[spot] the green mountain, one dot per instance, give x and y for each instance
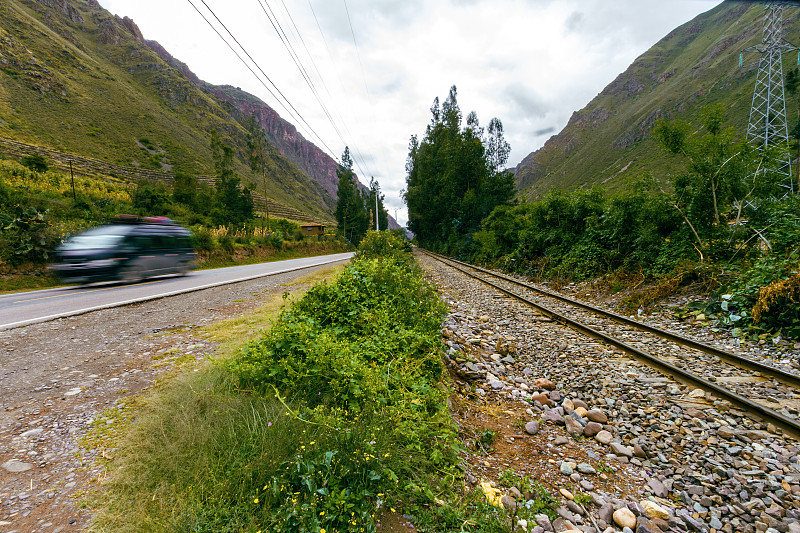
(608, 142)
(76, 79)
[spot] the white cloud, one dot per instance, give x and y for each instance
(530, 63)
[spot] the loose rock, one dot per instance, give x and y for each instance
(604, 437)
(653, 510)
(15, 467)
(624, 518)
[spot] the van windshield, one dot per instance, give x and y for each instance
(93, 239)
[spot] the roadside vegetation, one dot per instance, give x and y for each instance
(332, 419)
(455, 177)
(40, 207)
(355, 209)
(727, 223)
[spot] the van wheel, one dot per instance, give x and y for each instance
(183, 269)
(131, 274)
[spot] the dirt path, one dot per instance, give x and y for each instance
(56, 377)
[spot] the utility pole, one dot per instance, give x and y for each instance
(72, 178)
(377, 224)
(767, 125)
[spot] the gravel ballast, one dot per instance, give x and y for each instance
(689, 461)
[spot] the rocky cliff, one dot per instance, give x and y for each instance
(283, 135)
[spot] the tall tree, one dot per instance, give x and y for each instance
(231, 205)
(350, 210)
(497, 148)
(258, 150)
(185, 189)
(455, 176)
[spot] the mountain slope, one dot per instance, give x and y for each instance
(281, 133)
(608, 142)
(76, 79)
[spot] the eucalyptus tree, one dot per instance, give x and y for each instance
(455, 176)
(257, 156)
(351, 212)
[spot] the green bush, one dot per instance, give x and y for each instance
(331, 484)
(361, 354)
(226, 243)
(152, 199)
(26, 235)
(35, 162)
(275, 239)
(335, 344)
(202, 240)
(384, 244)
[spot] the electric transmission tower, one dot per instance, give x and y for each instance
(767, 125)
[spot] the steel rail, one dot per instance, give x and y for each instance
(788, 378)
(789, 425)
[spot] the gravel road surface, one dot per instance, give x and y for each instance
(57, 376)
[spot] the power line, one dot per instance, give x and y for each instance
(255, 63)
(308, 53)
(358, 54)
(266, 76)
(314, 63)
(276, 25)
(359, 159)
(291, 109)
(360, 63)
(339, 79)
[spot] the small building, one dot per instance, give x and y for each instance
(312, 228)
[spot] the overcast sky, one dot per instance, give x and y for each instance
(530, 63)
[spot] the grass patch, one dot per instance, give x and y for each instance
(28, 281)
(197, 458)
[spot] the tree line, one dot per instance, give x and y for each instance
(455, 177)
(727, 220)
(355, 209)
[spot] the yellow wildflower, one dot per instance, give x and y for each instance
(493, 495)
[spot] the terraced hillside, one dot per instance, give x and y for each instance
(80, 82)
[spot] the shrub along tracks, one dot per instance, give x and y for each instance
(699, 457)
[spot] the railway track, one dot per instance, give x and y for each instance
(764, 391)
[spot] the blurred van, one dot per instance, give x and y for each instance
(129, 249)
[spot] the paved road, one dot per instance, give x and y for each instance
(23, 308)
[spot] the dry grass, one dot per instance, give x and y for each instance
(707, 279)
(772, 293)
(644, 299)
